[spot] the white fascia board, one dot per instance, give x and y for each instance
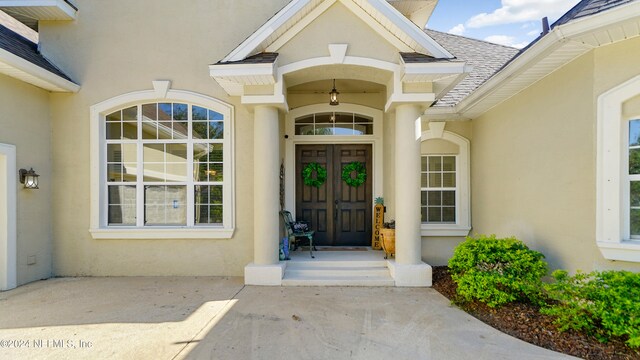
(546, 46)
(62, 6)
(252, 42)
(54, 81)
(436, 68)
(425, 99)
(241, 70)
(410, 29)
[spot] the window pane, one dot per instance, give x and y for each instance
(130, 114)
(114, 131)
(634, 133)
(424, 161)
(149, 112)
(435, 180)
(180, 112)
(634, 161)
(165, 205)
(435, 163)
(434, 214)
(304, 129)
(449, 163)
(635, 222)
(130, 130)
(434, 198)
(363, 129)
(635, 193)
(215, 115)
(164, 111)
(449, 214)
(449, 198)
(122, 205)
(423, 214)
(305, 120)
(116, 116)
(343, 129)
(324, 129)
(449, 180)
(199, 113)
(208, 205)
(216, 130)
(423, 198)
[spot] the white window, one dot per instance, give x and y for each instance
(445, 184)
(164, 169)
(438, 179)
(618, 172)
(334, 123)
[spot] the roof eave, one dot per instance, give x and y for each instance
(570, 35)
(21, 69)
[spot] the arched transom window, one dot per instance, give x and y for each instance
(334, 123)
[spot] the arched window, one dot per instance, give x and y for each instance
(618, 172)
(445, 184)
(164, 168)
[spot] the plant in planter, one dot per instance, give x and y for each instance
(388, 235)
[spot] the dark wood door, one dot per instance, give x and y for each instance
(340, 214)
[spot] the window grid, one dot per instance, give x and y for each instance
(334, 124)
(633, 178)
(438, 189)
(168, 130)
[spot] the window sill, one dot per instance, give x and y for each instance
(444, 230)
(161, 233)
(622, 251)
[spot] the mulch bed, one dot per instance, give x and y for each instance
(524, 322)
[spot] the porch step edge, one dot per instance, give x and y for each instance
(338, 281)
(297, 264)
(338, 271)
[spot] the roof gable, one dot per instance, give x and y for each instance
(378, 14)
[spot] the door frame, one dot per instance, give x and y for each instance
(376, 141)
(8, 218)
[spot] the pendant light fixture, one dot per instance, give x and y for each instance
(333, 95)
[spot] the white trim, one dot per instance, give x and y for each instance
(463, 185)
(407, 29)
(34, 74)
(563, 44)
(98, 227)
(170, 233)
(8, 224)
(376, 141)
(612, 173)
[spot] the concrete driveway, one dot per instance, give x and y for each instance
(220, 318)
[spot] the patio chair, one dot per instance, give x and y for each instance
(294, 234)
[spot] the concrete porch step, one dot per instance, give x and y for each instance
(319, 264)
(337, 271)
(290, 280)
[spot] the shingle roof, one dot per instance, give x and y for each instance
(587, 8)
(19, 46)
(485, 57)
(261, 58)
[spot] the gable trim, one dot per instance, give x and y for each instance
(21, 69)
(271, 28)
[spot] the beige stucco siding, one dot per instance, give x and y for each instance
(534, 160)
(25, 123)
(337, 25)
(115, 48)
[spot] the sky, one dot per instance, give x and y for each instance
(508, 22)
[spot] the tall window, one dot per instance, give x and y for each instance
(634, 178)
(164, 166)
(438, 184)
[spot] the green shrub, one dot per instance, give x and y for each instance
(603, 304)
(497, 271)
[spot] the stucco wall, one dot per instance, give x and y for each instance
(25, 123)
(114, 48)
(534, 160)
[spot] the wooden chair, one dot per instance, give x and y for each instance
(293, 235)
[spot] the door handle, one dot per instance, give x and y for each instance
(335, 210)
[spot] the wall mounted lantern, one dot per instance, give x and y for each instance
(29, 178)
(333, 95)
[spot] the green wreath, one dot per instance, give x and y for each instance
(361, 174)
(312, 169)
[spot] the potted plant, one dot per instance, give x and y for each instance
(388, 237)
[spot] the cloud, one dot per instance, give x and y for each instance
(506, 40)
(457, 30)
(534, 32)
(517, 11)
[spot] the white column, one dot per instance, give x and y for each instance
(408, 268)
(266, 269)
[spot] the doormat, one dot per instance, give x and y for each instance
(343, 248)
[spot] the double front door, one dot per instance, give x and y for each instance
(340, 214)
